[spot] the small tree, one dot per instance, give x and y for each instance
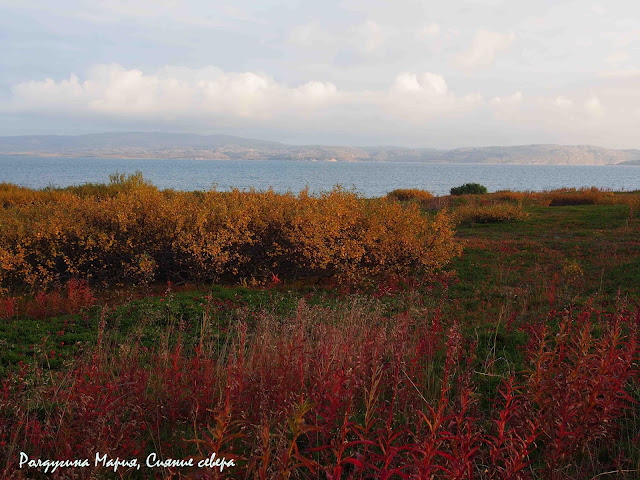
(469, 188)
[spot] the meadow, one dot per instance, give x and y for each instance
(474, 336)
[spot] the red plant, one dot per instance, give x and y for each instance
(340, 394)
(71, 299)
(513, 442)
(578, 384)
(8, 307)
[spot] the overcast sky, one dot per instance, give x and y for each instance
(406, 72)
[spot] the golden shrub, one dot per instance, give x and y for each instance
(509, 196)
(490, 213)
(407, 194)
(582, 196)
(129, 231)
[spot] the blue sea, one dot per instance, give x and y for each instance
(368, 178)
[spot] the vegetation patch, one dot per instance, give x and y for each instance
(582, 196)
(491, 213)
(129, 232)
(517, 359)
(469, 189)
(408, 194)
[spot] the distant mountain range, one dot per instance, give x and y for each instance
(225, 147)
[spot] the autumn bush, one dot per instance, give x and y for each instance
(130, 232)
(11, 194)
(407, 194)
(490, 213)
(581, 196)
(509, 196)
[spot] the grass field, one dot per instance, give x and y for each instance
(517, 359)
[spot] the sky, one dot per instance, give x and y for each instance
(414, 73)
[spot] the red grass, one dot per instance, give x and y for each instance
(337, 394)
(73, 298)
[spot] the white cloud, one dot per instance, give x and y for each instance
(210, 99)
(427, 83)
(593, 105)
(420, 98)
(562, 102)
(617, 57)
(623, 38)
(620, 73)
(483, 50)
(429, 31)
(310, 35)
(187, 93)
(513, 99)
(367, 37)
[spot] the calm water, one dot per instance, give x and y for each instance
(370, 179)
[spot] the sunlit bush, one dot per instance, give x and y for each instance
(407, 194)
(583, 196)
(509, 196)
(130, 232)
(490, 213)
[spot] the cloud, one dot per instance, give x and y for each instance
(310, 35)
(513, 99)
(623, 38)
(422, 97)
(620, 73)
(562, 102)
(183, 93)
(428, 83)
(617, 57)
(113, 90)
(429, 31)
(484, 48)
(210, 99)
(367, 37)
(593, 105)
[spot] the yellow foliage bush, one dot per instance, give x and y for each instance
(509, 196)
(130, 232)
(406, 194)
(582, 196)
(490, 213)
(11, 194)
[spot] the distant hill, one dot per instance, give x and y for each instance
(130, 139)
(543, 154)
(226, 147)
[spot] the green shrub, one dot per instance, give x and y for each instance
(469, 189)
